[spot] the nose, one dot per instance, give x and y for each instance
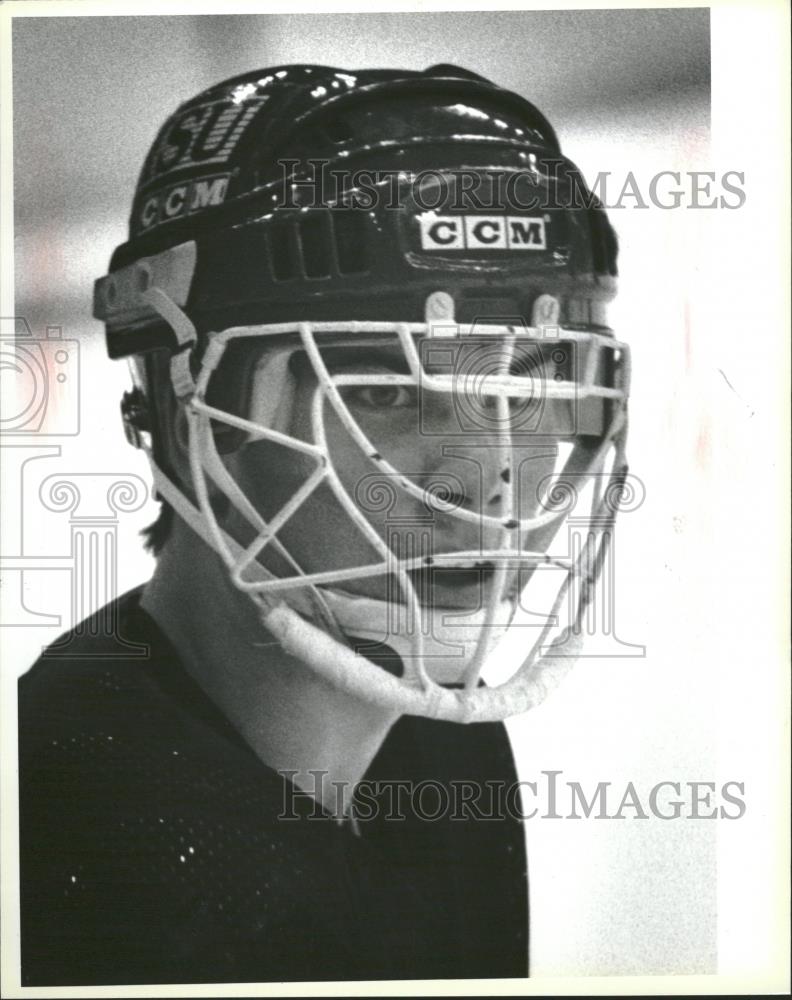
(449, 490)
(471, 477)
(490, 474)
(480, 467)
(464, 456)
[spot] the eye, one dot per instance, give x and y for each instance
(381, 397)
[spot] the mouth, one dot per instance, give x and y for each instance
(454, 587)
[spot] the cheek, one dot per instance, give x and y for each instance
(534, 472)
(396, 444)
(267, 478)
(318, 536)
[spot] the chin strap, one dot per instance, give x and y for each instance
(344, 670)
(450, 636)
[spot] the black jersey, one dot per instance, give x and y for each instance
(157, 848)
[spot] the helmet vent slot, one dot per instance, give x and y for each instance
(316, 245)
(350, 241)
(283, 249)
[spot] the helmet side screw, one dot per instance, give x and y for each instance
(439, 305)
(546, 311)
(143, 277)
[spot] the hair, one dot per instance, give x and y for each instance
(159, 406)
(156, 534)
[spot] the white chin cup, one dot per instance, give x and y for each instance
(450, 635)
(361, 678)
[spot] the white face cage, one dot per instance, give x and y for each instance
(301, 609)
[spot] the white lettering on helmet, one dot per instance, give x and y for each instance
(203, 134)
(482, 232)
(183, 199)
(209, 191)
(174, 203)
(150, 212)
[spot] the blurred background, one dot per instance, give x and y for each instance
(626, 90)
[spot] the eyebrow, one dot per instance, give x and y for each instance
(527, 360)
(334, 358)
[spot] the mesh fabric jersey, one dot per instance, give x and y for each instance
(154, 848)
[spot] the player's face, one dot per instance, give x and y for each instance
(445, 443)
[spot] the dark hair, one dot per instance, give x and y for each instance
(159, 406)
(157, 533)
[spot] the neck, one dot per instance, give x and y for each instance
(322, 738)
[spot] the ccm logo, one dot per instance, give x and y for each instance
(183, 199)
(482, 232)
